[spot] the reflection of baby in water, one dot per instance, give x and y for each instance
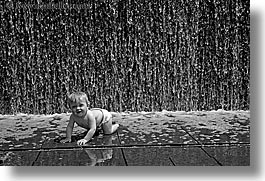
(100, 155)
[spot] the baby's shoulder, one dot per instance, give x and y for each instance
(90, 114)
(96, 112)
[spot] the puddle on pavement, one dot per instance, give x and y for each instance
(81, 157)
(40, 131)
(164, 136)
(17, 158)
(165, 156)
(231, 156)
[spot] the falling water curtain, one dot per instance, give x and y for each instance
(126, 55)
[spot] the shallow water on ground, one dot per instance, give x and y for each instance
(139, 134)
(21, 130)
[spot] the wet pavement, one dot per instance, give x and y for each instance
(206, 138)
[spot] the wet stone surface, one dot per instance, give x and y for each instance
(220, 127)
(18, 158)
(97, 141)
(231, 155)
(174, 136)
(143, 138)
(81, 157)
(151, 129)
(167, 156)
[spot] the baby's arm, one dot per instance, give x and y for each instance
(93, 125)
(69, 130)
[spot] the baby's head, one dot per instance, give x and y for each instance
(76, 97)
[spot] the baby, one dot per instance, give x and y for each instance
(89, 119)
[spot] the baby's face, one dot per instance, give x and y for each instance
(79, 108)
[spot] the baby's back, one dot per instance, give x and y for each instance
(98, 114)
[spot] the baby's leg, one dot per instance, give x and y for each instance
(108, 127)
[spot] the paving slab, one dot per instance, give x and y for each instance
(152, 131)
(81, 157)
(221, 127)
(25, 131)
(18, 158)
(143, 138)
(17, 143)
(167, 156)
(212, 136)
(231, 155)
(97, 141)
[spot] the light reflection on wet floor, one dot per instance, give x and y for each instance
(177, 140)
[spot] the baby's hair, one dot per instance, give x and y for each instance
(76, 96)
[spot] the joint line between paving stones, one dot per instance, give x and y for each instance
(40, 150)
(191, 136)
(172, 161)
(122, 152)
(219, 163)
(37, 157)
(127, 146)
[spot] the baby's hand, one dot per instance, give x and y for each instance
(82, 142)
(66, 140)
